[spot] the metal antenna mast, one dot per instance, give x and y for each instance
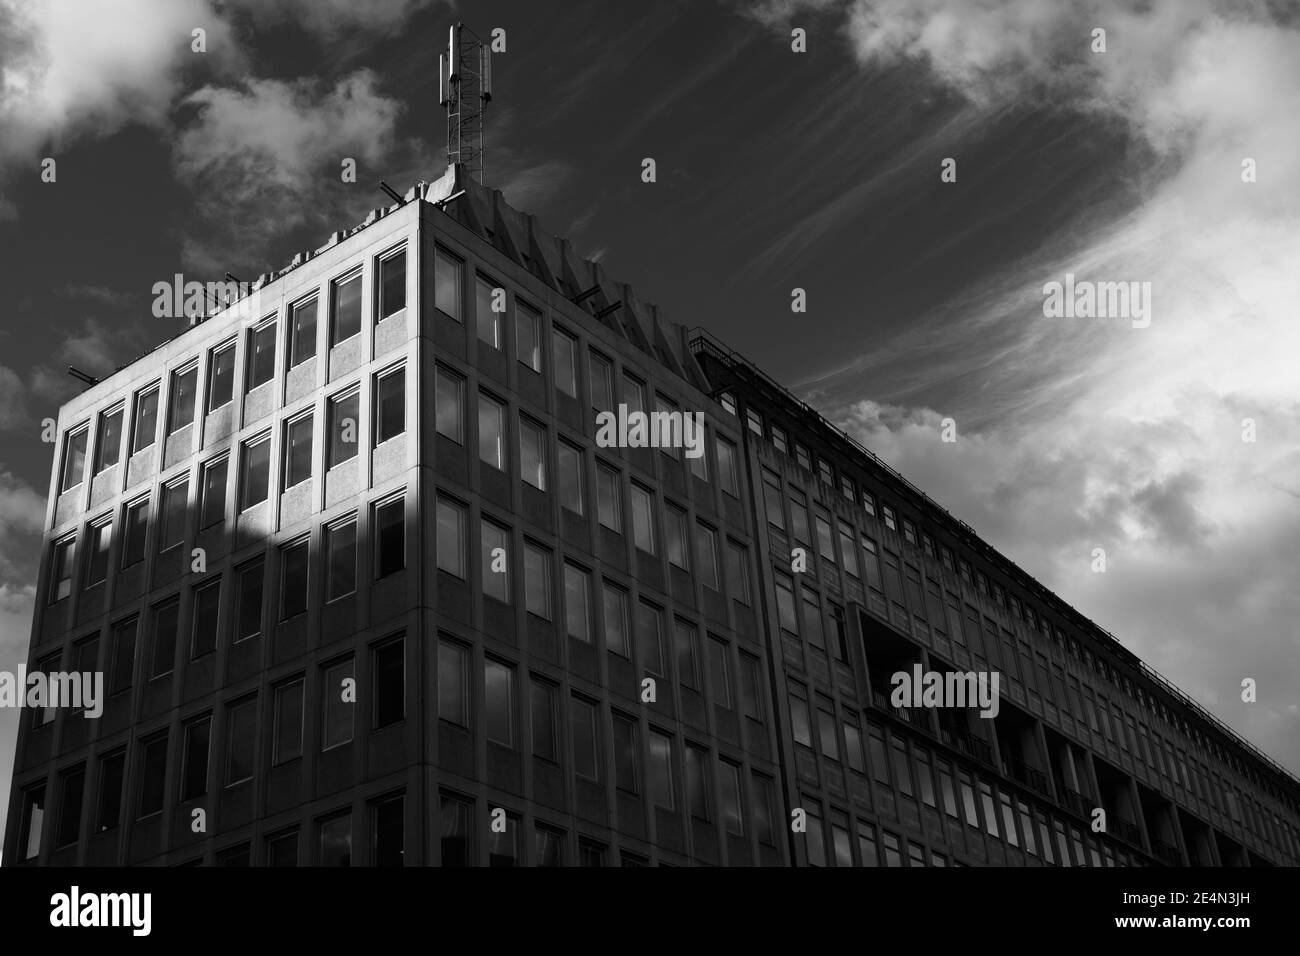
(464, 89)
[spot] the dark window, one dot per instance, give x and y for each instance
(390, 537)
(123, 660)
(577, 603)
(449, 404)
(626, 756)
(153, 777)
(387, 820)
(338, 693)
(261, 355)
(764, 814)
(457, 828)
(617, 636)
(451, 537)
(651, 638)
(175, 500)
(686, 642)
(282, 850)
(602, 383)
(661, 770)
(543, 704)
(492, 432)
(537, 580)
(609, 498)
(212, 507)
(294, 579)
(586, 746)
(729, 798)
(297, 450)
(643, 529)
(145, 429)
(345, 321)
(100, 536)
(486, 295)
(336, 841)
(550, 846)
(248, 600)
(390, 683)
(207, 605)
(341, 555)
(697, 782)
(564, 361)
(64, 557)
(195, 775)
(255, 480)
(453, 683)
(720, 673)
(392, 284)
(180, 409)
(165, 622)
(241, 741)
(503, 844)
(73, 787)
(495, 567)
(390, 404)
(570, 473)
(344, 415)
(137, 526)
(448, 276)
(33, 822)
(108, 443)
(528, 336)
(302, 331)
(112, 774)
(499, 702)
(532, 453)
(591, 853)
(288, 721)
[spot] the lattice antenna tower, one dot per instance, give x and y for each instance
(464, 90)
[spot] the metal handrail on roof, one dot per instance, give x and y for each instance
(702, 340)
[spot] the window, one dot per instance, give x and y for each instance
(448, 275)
(537, 580)
(729, 799)
(802, 457)
(814, 837)
(571, 495)
(153, 777)
(495, 569)
(846, 489)
(451, 537)
(676, 536)
(341, 558)
(390, 536)
(825, 537)
(824, 472)
(909, 532)
(181, 399)
(74, 459)
(343, 415)
(602, 383)
(293, 579)
(194, 771)
(626, 754)
(241, 741)
(302, 331)
(785, 603)
(751, 687)
(586, 740)
(449, 399)
(668, 411)
(609, 505)
(754, 421)
(212, 493)
(137, 524)
(772, 500)
(492, 432)
(890, 522)
(528, 336)
(727, 468)
(839, 633)
(697, 782)
(617, 637)
(720, 673)
(591, 853)
(532, 452)
(390, 404)
(706, 540)
(112, 774)
(248, 600)
(207, 607)
(63, 560)
(123, 657)
(778, 438)
(166, 620)
(392, 284)
(849, 552)
(893, 856)
(727, 401)
(643, 519)
(564, 361)
(695, 457)
(828, 730)
(488, 295)
(764, 809)
(336, 841)
(686, 645)
(633, 393)
(388, 661)
(503, 845)
(337, 705)
(550, 846)
(577, 603)
(542, 700)
(346, 318)
(261, 355)
(282, 850)
(812, 621)
(73, 787)
(799, 525)
(108, 443)
(145, 429)
(297, 450)
(255, 480)
(650, 634)
(453, 683)
(661, 770)
(174, 500)
(100, 536)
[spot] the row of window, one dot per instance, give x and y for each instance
(345, 321)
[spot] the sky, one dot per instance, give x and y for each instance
(818, 170)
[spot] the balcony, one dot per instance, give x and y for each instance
(1031, 777)
(1166, 853)
(968, 744)
(1128, 832)
(881, 700)
(1075, 801)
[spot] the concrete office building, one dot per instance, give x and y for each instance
(366, 590)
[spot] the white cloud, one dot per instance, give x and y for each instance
(1130, 439)
(332, 17)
